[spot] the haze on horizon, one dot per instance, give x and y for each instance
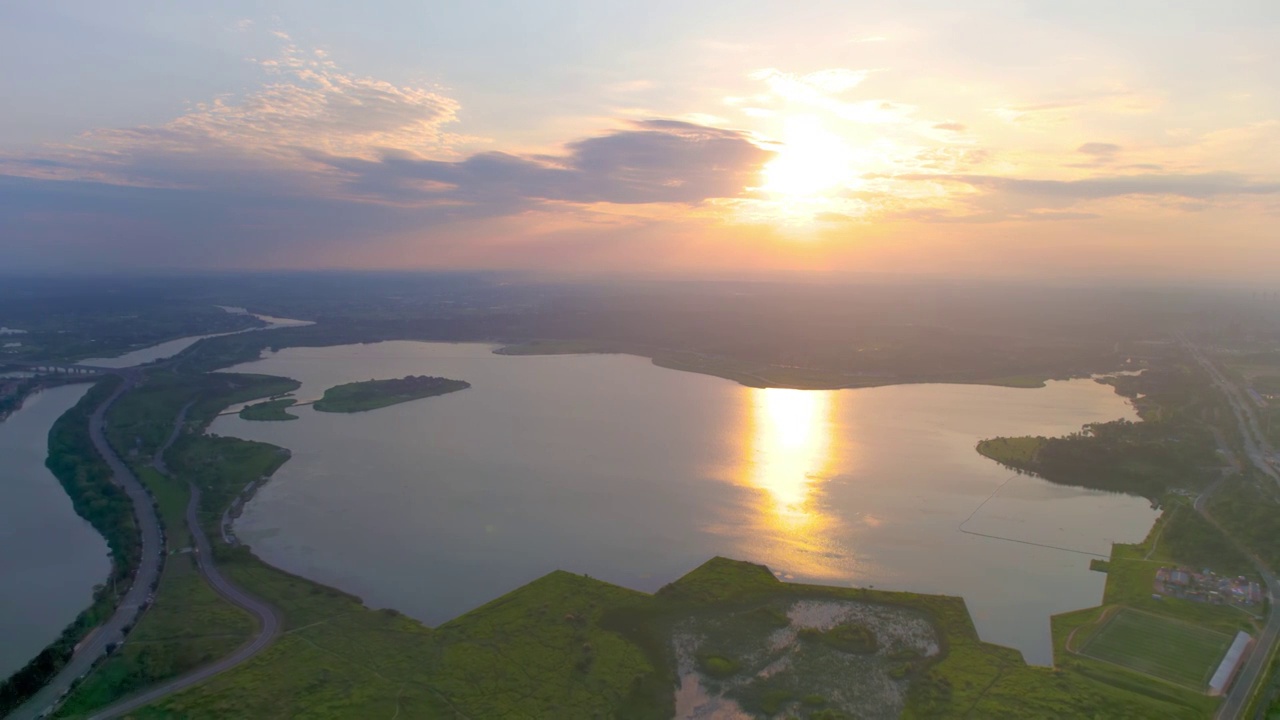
(997, 138)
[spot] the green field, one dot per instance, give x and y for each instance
(1175, 651)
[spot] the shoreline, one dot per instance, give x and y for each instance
(770, 376)
(477, 353)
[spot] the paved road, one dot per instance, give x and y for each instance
(1257, 449)
(148, 570)
(269, 622)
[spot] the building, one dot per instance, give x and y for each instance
(1230, 664)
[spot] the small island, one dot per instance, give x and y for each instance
(374, 394)
(269, 411)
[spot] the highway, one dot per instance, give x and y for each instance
(269, 622)
(1256, 448)
(95, 646)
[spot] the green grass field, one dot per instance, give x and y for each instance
(1175, 651)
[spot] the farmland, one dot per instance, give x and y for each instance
(1170, 650)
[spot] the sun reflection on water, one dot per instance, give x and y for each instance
(788, 453)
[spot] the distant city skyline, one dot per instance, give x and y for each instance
(991, 138)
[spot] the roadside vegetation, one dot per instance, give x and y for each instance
(374, 394)
(1248, 505)
(189, 625)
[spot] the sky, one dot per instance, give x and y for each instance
(989, 138)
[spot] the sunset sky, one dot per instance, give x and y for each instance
(1057, 139)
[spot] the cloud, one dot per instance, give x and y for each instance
(834, 217)
(1100, 150)
(320, 166)
(951, 126)
(942, 215)
(1194, 186)
(811, 85)
(317, 131)
(1116, 101)
(243, 208)
(311, 104)
(653, 161)
(1098, 154)
(994, 199)
(307, 106)
(816, 89)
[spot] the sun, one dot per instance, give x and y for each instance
(812, 162)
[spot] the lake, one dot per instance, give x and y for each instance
(50, 558)
(611, 466)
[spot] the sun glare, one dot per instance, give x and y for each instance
(787, 450)
(813, 161)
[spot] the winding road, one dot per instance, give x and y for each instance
(268, 618)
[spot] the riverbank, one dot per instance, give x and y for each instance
(50, 557)
(15, 391)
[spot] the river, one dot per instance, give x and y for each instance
(50, 558)
(173, 347)
(611, 466)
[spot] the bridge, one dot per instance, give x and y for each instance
(46, 368)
